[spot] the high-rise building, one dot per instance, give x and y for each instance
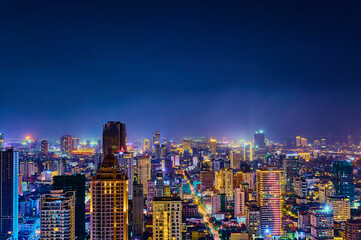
(114, 137)
(2, 143)
(343, 178)
(9, 198)
(298, 141)
(76, 142)
(159, 185)
(144, 171)
(253, 220)
(248, 177)
(259, 139)
(137, 209)
(151, 193)
(224, 182)
(167, 218)
(75, 183)
(322, 224)
(290, 171)
(156, 144)
(213, 146)
(66, 145)
(325, 190)
(269, 200)
(300, 186)
(240, 201)
(45, 148)
(341, 208)
(235, 159)
(353, 229)
(219, 203)
(58, 215)
(187, 145)
(125, 160)
(109, 201)
(304, 142)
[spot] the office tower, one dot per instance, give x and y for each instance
(300, 186)
(109, 201)
(58, 215)
(167, 218)
(259, 139)
(164, 150)
(213, 146)
(76, 142)
(28, 169)
(326, 190)
(269, 200)
(248, 177)
(137, 209)
(75, 183)
(146, 145)
(99, 145)
(224, 182)
(240, 201)
(159, 185)
(168, 168)
(304, 142)
(349, 141)
(151, 193)
(2, 143)
(343, 178)
(235, 159)
(144, 171)
(187, 145)
(114, 137)
(253, 220)
(125, 160)
(298, 141)
(66, 145)
(207, 178)
(156, 144)
(9, 198)
(61, 166)
(321, 224)
(219, 203)
(248, 152)
(353, 229)
(45, 148)
(341, 208)
(290, 171)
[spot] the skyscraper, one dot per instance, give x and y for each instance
(343, 178)
(1, 141)
(66, 145)
(159, 185)
(58, 215)
(322, 224)
(341, 207)
(74, 183)
(125, 160)
(9, 198)
(240, 201)
(151, 193)
(167, 218)
(109, 201)
(353, 229)
(114, 137)
(137, 209)
(259, 139)
(269, 201)
(156, 144)
(144, 171)
(290, 171)
(224, 182)
(45, 148)
(213, 143)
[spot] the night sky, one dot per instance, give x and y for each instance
(187, 68)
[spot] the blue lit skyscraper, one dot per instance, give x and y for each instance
(343, 178)
(9, 197)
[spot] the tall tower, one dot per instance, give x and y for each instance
(66, 145)
(156, 144)
(224, 182)
(343, 178)
(290, 171)
(125, 160)
(137, 209)
(114, 137)
(62, 205)
(2, 141)
(269, 201)
(109, 201)
(213, 146)
(9, 198)
(45, 148)
(259, 139)
(75, 183)
(167, 218)
(144, 171)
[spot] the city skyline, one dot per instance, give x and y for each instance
(187, 69)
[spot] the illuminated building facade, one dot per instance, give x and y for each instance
(290, 171)
(109, 201)
(224, 182)
(151, 193)
(2, 143)
(58, 215)
(144, 171)
(66, 145)
(167, 218)
(213, 146)
(114, 137)
(125, 160)
(353, 229)
(9, 198)
(326, 190)
(75, 183)
(240, 201)
(235, 159)
(321, 224)
(146, 145)
(269, 200)
(341, 207)
(300, 186)
(253, 220)
(137, 210)
(187, 145)
(343, 178)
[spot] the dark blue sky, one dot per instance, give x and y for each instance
(188, 68)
